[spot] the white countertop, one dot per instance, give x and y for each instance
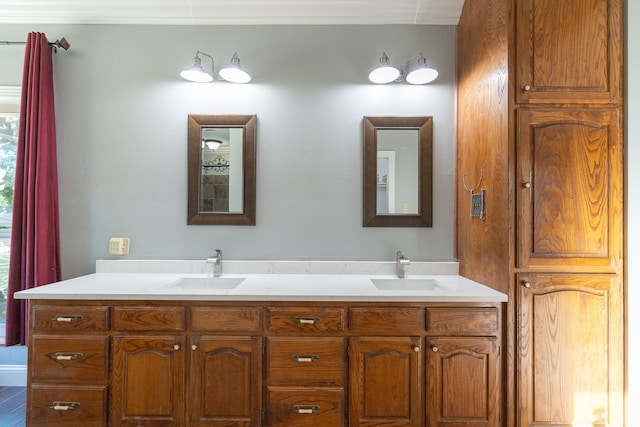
(260, 287)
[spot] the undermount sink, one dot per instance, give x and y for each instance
(408, 284)
(208, 282)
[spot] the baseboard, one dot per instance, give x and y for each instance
(13, 375)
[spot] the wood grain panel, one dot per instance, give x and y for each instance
(482, 142)
(226, 319)
(60, 358)
(569, 51)
(56, 318)
(90, 412)
(306, 361)
(465, 386)
(385, 321)
(225, 387)
(568, 343)
(148, 318)
(568, 202)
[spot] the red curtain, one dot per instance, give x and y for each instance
(35, 243)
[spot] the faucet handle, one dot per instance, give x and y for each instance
(400, 255)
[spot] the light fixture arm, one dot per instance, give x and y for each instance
(197, 59)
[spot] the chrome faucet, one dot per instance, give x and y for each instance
(401, 264)
(216, 260)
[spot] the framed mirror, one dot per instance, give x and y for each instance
(221, 159)
(397, 172)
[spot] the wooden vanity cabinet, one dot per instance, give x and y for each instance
(386, 366)
(68, 381)
(259, 364)
(149, 362)
(463, 367)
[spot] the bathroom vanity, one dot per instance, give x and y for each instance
(264, 350)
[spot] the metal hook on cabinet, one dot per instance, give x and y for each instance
(469, 189)
(477, 200)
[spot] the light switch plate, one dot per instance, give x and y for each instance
(119, 246)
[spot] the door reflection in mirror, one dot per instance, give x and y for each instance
(397, 171)
(221, 185)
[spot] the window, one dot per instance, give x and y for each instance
(9, 116)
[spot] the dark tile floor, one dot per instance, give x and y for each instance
(12, 406)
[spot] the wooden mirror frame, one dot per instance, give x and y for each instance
(248, 214)
(423, 218)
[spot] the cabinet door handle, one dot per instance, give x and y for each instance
(64, 406)
(526, 184)
(526, 284)
(416, 349)
(309, 358)
(306, 409)
(307, 320)
(66, 356)
(194, 347)
(434, 348)
(526, 88)
(176, 347)
(67, 319)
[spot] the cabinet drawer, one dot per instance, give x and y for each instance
(69, 359)
(305, 407)
(308, 361)
(227, 319)
(305, 320)
(64, 406)
(463, 321)
(386, 320)
(60, 318)
(144, 318)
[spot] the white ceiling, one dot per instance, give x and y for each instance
(231, 12)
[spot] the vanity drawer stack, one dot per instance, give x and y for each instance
(305, 366)
(69, 366)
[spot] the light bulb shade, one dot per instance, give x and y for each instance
(196, 73)
(234, 73)
(385, 72)
(211, 144)
(421, 73)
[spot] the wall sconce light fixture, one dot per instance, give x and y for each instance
(417, 71)
(232, 73)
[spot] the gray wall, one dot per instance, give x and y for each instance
(122, 130)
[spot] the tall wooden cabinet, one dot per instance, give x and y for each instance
(539, 128)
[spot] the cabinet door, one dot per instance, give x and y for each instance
(148, 381)
(569, 198)
(464, 382)
(569, 350)
(386, 381)
(225, 381)
(568, 51)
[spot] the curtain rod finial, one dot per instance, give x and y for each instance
(63, 43)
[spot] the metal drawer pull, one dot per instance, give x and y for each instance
(66, 356)
(67, 319)
(64, 406)
(309, 358)
(306, 409)
(307, 320)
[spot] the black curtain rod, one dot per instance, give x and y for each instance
(63, 43)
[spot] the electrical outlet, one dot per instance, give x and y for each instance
(119, 246)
